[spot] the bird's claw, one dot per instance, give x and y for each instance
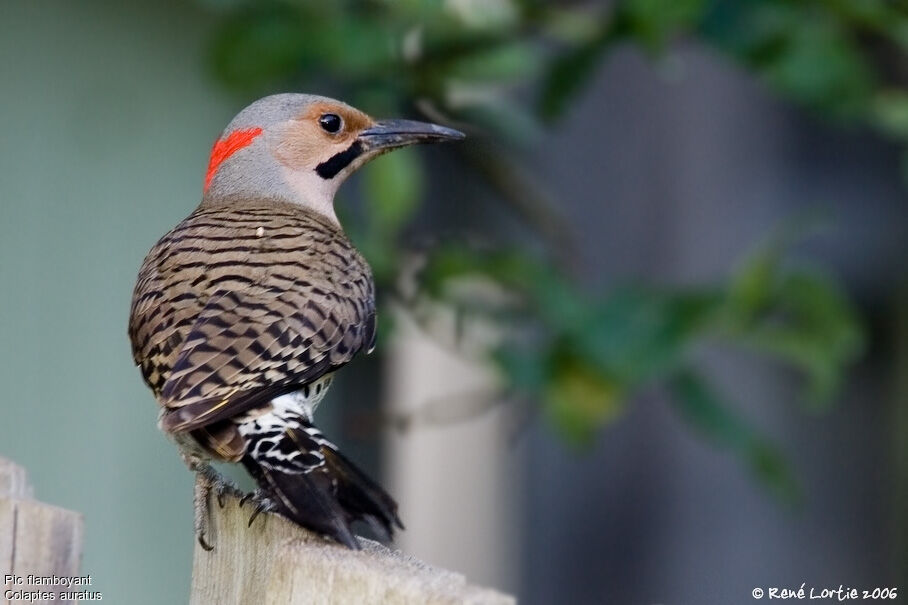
(225, 488)
(260, 502)
(207, 481)
(203, 543)
(221, 486)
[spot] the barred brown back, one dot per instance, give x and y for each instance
(240, 304)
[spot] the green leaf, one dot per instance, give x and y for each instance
(524, 368)
(493, 111)
(751, 287)
(484, 14)
(579, 400)
(798, 316)
(637, 336)
(569, 73)
(354, 46)
(571, 25)
(500, 64)
(394, 185)
(255, 49)
(653, 22)
(701, 408)
(516, 272)
(559, 304)
(890, 112)
(802, 50)
(752, 30)
(650, 22)
(812, 326)
(820, 67)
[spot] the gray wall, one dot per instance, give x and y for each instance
(106, 119)
(675, 179)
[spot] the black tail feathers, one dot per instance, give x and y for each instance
(315, 486)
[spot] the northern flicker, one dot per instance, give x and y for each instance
(243, 312)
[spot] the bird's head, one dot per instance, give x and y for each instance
(300, 148)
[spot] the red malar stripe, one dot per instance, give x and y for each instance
(226, 147)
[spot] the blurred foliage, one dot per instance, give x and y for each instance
(587, 355)
(504, 70)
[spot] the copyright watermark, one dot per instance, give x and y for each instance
(842, 593)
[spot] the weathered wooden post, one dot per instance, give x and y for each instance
(40, 544)
(276, 563)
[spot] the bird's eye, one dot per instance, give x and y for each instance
(330, 122)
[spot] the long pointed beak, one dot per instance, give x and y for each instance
(388, 134)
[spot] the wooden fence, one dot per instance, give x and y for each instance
(38, 542)
(273, 562)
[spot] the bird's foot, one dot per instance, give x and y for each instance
(201, 516)
(221, 486)
(260, 504)
(209, 481)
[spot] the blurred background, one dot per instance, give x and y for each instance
(644, 335)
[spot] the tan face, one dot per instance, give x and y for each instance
(323, 132)
(300, 148)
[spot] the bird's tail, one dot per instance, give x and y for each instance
(311, 483)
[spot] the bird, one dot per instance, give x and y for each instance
(243, 312)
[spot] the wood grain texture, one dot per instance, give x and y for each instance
(13, 480)
(275, 562)
(35, 538)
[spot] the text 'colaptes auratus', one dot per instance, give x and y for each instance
(244, 310)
